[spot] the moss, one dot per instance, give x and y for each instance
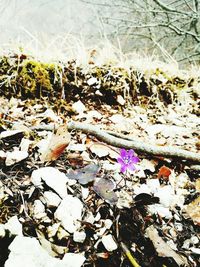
(24, 76)
(34, 79)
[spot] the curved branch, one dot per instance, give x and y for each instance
(138, 146)
(122, 141)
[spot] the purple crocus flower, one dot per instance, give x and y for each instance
(127, 160)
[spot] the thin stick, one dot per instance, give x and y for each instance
(129, 255)
(138, 146)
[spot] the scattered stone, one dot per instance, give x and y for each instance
(78, 107)
(109, 243)
(14, 226)
(69, 213)
(79, 236)
(27, 251)
(121, 100)
(52, 199)
(39, 209)
(53, 178)
(15, 157)
(92, 81)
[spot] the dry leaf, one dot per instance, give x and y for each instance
(75, 159)
(58, 142)
(163, 248)
(197, 185)
(193, 210)
(102, 150)
(164, 172)
(84, 175)
(104, 188)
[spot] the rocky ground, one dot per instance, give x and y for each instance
(65, 199)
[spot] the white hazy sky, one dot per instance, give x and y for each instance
(47, 18)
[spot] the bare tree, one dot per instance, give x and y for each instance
(155, 25)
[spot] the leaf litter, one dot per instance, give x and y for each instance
(72, 194)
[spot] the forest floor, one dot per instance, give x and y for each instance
(65, 199)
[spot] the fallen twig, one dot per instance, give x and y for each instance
(119, 140)
(138, 146)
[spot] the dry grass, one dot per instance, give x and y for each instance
(61, 49)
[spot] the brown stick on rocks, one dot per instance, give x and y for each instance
(138, 146)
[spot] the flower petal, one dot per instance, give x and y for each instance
(130, 153)
(131, 167)
(123, 152)
(120, 161)
(135, 159)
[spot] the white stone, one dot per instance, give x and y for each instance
(109, 242)
(78, 107)
(166, 196)
(97, 217)
(2, 230)
(69, 212)
(2, 154)
(101, 231)
(98, 93)
(73, 260)
(159, 209)
(52, 229)
(147, 165)
(94, 114)
(186, 244)
(52, 199)
(121, 100)
(89, 217)
(178, 226)
(76, 147)
(15, 156)
(125, 199)
(14, 226)
(195, 250)
(39, 209)
(85, 192)
(27, 252)
(110, 167)
(108, 223)
(79, 236)
(25, 143)
(53, 178)
(153, 184)
(50, 114)
(117, 118)
(92, 81)
(143, 188)
(9, 133)
(62, 233)
(194, 240)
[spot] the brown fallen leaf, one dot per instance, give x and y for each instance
(193, 210)
(58, 142)
(162, 248)
(164, 172)
(75, 159)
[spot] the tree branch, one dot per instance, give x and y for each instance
(138, 146)
(168, 9)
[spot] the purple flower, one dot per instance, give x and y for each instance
(127, 160)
